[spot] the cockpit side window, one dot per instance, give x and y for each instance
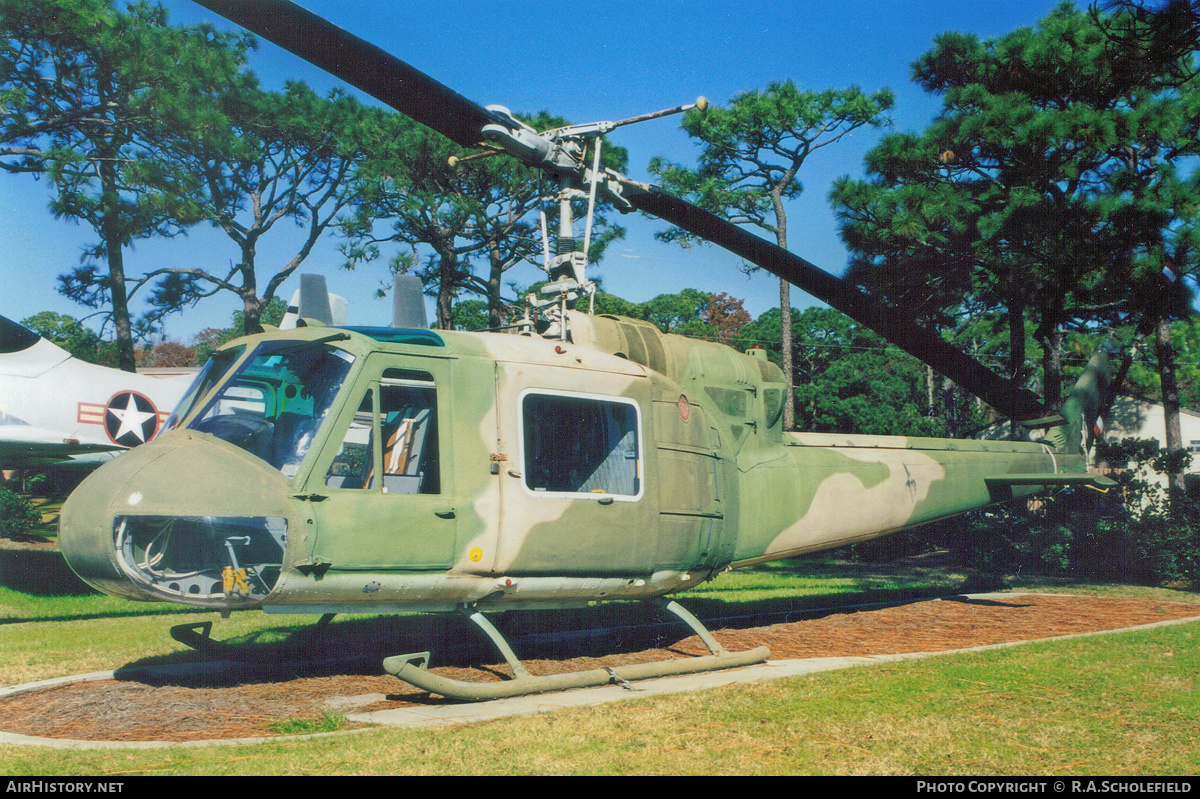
(274, 404)
(210, 374)
(406, 422)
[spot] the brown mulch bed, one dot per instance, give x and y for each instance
(185, 710)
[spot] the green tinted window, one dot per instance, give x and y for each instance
(274, 403)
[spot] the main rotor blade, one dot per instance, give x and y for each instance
(435, 105)
(359, 63)
(926, 345)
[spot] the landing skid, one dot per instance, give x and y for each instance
(414, 668)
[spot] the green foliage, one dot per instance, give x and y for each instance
(89, 93)
(613, 305)
(462, 225)
(1052, 184)
(677, 313)
(210, 339)
(266, 158)
(750, 159)
(68, 333)
(1129, 534)
(18, 517)
(752, 149)
(469, 315)
(1139, 460)
(1144, 378)
(849, 379)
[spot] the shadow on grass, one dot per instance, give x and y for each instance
(40, 571)
(46, 590)
(358, 645)
(155, 609)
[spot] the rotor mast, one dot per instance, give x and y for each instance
(563, 152)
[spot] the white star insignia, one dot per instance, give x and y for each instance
(131, 419)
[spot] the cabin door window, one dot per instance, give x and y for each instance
(388, 499)
(581, 444)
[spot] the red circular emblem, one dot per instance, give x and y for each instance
(684, 409)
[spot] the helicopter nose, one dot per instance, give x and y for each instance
(182, 518)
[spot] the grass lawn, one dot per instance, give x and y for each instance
(1128, 703)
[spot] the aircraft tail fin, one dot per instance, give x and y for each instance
(24, 353)
(1082, 411)
(15, 337)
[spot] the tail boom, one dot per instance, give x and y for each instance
(834, 489)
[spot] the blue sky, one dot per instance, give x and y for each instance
(585, 61)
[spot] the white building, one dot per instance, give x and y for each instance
(1134, 417)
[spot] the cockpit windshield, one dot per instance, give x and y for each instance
(209, 376)
(273, 405)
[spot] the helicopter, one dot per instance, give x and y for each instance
(575, 459)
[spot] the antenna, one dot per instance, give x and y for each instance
(408, 303)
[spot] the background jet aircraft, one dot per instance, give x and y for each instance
(55, 408)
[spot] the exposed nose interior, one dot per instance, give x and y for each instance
(202, 560)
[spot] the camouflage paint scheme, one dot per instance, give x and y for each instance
(721, 484)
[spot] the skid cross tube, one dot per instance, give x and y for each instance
(414, 669)
(500, 643)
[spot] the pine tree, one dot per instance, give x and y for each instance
(85, 90)
(750, 159)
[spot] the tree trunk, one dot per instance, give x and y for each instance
(1051, 340)
(1016, 360)
(1170, 401)
(929, 389)
(950, 408)
(785, 318)
(495, 305)
(251, 314)
(120, 302)
(114, 249)
(447, 267)
(251, 304)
